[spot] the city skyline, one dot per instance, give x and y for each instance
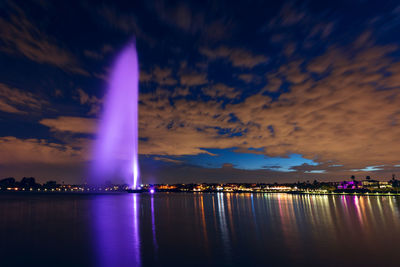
(267, 92)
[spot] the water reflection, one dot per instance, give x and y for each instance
(136, 232)
(153, 225)
(116, 231)
(223, 224)
(203, 221)
(245, 229)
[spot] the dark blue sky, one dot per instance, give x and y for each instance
(230, 90)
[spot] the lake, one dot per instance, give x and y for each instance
(200, 229)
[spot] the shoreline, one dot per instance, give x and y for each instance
(345, 193)
(27, 193)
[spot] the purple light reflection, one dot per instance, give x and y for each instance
(116, 231)
(136, 233)
(116, 148)
(153, 225)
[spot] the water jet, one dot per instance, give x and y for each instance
(116, 147)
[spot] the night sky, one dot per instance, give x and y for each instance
(237, 91)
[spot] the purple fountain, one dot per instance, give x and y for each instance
(116, 147)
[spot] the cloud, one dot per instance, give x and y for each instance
(19, 36)
(19, 151)
(227, 166)
(322, 29)
(289, 15)
(193, 78)
(274, 82)
(221, 90)
(340, 107)
(13, 100)
(175, 161)
(93, 54)
(92, 101)
(182, 128)
(166, 77)
(272, 167)
(298, 27)
(8, 108)
(181, 15)
(161, 76)
(237, 56)
(341, 110)
(205, 22)
(333, 118)
(71, 124)
(43, 159)
(327, 166)
(249, 78)
(98, 55)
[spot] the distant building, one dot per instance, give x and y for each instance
(375, 184)
(370, 183)
(385, 185)
(280, 188)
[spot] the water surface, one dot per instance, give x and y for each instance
(185, 229)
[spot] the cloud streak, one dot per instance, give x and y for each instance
(238, 57)
(13, 100)
(19, 36)
(19, 151)
(71, 124)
